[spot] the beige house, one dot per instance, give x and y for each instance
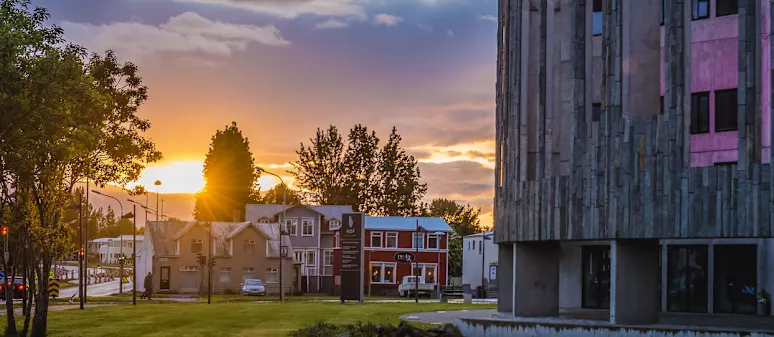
(242, 250)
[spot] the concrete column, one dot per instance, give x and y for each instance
(505, 277)
(570, 277)
(634, 275)
(537, 278)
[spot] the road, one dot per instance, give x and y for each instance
(100, 289)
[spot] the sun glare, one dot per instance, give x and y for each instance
(175, 177)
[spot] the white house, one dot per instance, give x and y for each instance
(475, 257)
(110, 249)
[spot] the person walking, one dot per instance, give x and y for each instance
(148, 285)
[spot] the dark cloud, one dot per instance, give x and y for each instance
(463, 180)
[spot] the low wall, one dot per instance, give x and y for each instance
(504, 328)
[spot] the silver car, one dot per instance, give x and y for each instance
(253, 287)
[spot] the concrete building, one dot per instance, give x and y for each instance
(633, 156)
(242, 250)
(311, 231)
(479, 261)
(110, 249)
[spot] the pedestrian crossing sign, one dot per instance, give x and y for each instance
(124, 280)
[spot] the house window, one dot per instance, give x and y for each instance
(661, 105)
(271, 275)
(291, 227)
(298, 255)
(596, 111)
(311, 258)
(419, 240)
(391, 240)
(661, 12)
(426, 270)
(307, 227)
(376, 239)
(263, 221)
(224, 275)
(433, 241)
(480, 247)
(700, 9)
(474, 244)
(383, 272)
(327, 257)
(248, 273)
(726, 110)
(596, 18)
(196, 246)
(700, 112)
(726, 7)
(334, 225)
(249, 246)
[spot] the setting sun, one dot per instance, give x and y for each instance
(175, 177)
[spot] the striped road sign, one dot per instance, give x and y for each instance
(53, 288)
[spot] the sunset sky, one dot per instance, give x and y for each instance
(282, 68)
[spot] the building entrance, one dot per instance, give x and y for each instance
(596, 277)
(735, 279)
(687, 276)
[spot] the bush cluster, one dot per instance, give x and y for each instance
(360, 329)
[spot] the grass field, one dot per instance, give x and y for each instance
(225, 319)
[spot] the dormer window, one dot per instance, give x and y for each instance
(196, 246)
(334, 225)
(263, 221)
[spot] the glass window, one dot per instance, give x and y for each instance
(389, 273)
(291, 227)
(433, 241)
(726, 7)
(419, 240)
(382, 272)
(687, 278)
(376, 239)
(391, 240)
(196, 246)
(595, 293)
(224, 275)
(271, 275)
(736, 279)
(249, 246)
(311, 258)
(661, 12)
(661, 105)
(334, 225)
(328, 257)
(376, 273)
(700, 9)
(596, 18)
(596, 111)
(726, 110)
(307, 227)
(700, 112)
(298, 255)
(248, 273)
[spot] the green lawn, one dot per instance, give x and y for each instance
(225, 319)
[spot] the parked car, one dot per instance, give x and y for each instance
(18, 288)
(253, 287)
(408, 287)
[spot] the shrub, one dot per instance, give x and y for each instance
(360, 329)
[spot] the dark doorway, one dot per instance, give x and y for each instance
(164, 280)
(687, 278)
(596, 277)
(736, 277)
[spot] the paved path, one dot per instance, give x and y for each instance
(98, 289)
(443, 317)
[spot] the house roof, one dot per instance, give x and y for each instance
(269, 211)
(477, 235)
(125, 237)
(163, 235)
(430, 224)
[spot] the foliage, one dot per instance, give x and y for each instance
(275, 195)
(360, 329)
(376, 180)
(455, 255)
(231, 178)
(464, 219)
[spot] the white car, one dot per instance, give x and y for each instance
(408, 287)
(253, 287)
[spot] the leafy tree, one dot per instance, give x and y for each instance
(361, 164)
(231, 178)
(275, 195)
(319, 169)
(401, 191)
(464, 219)
(455, 255)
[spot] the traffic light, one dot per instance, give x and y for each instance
(212, 262)
(4, 230)
(80, 251)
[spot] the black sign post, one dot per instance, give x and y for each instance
(352, 235)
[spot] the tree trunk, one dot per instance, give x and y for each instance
(40, 320)
(10, 329)
(28, 271)
(25, 280)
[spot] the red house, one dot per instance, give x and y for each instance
(425, 237)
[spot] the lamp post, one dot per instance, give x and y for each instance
(79, 206)
(281, 231)
(484, 283)
(438, 236)
(120, 244)
(158, 191)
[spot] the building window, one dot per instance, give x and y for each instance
(700, 9)
(311, 258)
(249, 246)
(427, 270)
(307, 227)
(382, 272)
(291, 227)
(474, 244)
(196, 246)
(391, 241)
(726, 110)
(334, 225)
(736, 278)
(480, 247)
(596, 18)
(224, 275)
(595, 293)
(726, 7)
(376, 239)
(327, 257)
(271, 275)
(248, 273)
(419, 240)
(298, 255)
(596, 111)
(687, 278)
(661, 105)
(263, 221)
(433, 241)
(700, 112)
(661, 13)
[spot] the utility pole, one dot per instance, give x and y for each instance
(416, 264)
(134, 255)
(80, 257)
(210, 263)
(158, 190)
(86, 244)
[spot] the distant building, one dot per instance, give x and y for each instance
(386, 236)
(242, 250)
(109, 249)
(477, 254)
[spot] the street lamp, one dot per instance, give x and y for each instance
(158, 191)
(284, 208)
(121, 242)
(438, 236)
(484, 283)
